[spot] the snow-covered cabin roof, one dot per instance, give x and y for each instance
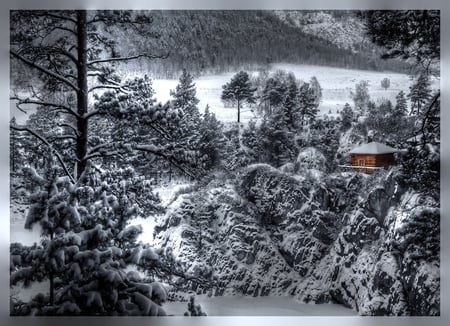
(373, 148)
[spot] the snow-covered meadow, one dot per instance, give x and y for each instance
(336, 83)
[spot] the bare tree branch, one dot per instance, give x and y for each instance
(427, 113)
(143, 55)
(53, 15)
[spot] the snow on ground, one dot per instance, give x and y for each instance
(17, 231)
(258, 306)
(336, 83)
(166, 193)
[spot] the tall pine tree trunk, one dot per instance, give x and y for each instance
(239, 111)
(82, 93)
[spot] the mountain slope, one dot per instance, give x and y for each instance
(341, 28)
(218, 41)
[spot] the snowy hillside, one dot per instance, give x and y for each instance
(345, 31)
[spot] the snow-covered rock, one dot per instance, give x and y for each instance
(343, 238)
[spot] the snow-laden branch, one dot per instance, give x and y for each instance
(159, 151)
(133, 57)
(94, 151)
(45, 141)
(62, 137)
(104, 154)
(71, 127)
(118, 87)
(91, 114)
(45, 70)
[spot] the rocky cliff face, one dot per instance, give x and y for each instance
(362, 241)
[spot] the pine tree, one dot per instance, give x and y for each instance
(239, 91)
(65, 52)
(385, 83)
(291, 103)
(308, 103)
(274, 93)
(401, 105)
(185, 98)
(252, 141)
(316, 90)
(86, 245)
(346, 117)
(361, 97)
(277, 141)
(210, 140)
(419, 93)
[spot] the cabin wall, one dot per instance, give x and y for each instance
(385, 159)
(372, 160)
(369, 159)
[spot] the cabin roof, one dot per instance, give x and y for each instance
(373, 148)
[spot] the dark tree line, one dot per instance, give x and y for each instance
(217, 41)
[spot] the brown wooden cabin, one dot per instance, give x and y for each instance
(370, 157)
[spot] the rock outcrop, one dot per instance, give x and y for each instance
(358, 240)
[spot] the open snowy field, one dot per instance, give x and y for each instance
(336, 83)
(258, 306)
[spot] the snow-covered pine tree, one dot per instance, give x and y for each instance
(251, 141)
(419, 93)
(324, 136)
(316, 90)
(308, 102)
(346, 117)
(274, 93)
(185, 96)
(86, 246)
(401, 106)
(277, 139)
(361, 97)
(140, 125)
(210, 140)
(291, 103)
